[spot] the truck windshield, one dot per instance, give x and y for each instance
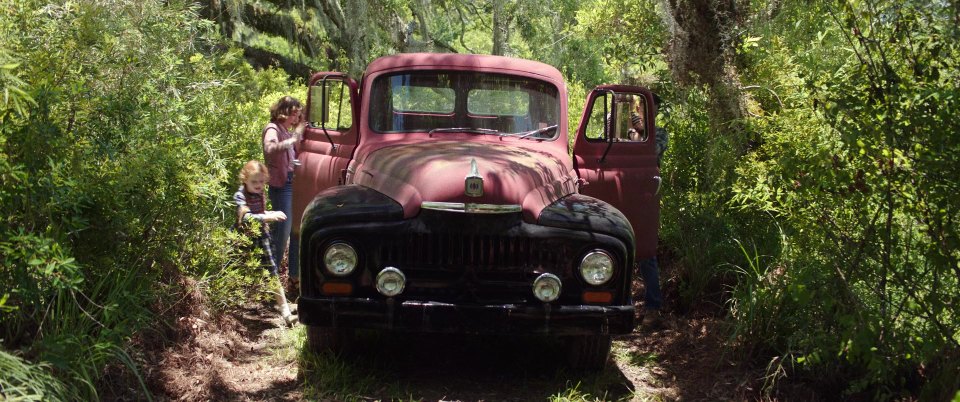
(456, 101)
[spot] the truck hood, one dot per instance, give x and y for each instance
(436, 172)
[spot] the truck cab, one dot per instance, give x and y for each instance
(441, 194)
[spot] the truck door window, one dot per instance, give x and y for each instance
(628, 125)
(599, 112)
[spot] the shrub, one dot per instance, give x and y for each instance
(118, 154)
(856, 166)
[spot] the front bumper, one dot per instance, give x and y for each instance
(426, 316)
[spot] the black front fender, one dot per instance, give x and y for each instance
(588, 214)
(350, 203)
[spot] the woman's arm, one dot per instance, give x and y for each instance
(272, 143)
(298, 135)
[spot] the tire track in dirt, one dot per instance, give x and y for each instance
(248, 355)
(234, 358)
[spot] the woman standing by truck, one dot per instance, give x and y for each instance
(281, 139)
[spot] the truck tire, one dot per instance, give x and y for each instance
(329, 340)
(588, 352)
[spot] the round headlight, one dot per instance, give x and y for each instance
(547, 287)
(390, 282)
(596, 267)
(340, 259)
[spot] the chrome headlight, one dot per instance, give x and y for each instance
(547, 287)
(340, 259)
(391, 281)
(596, 267)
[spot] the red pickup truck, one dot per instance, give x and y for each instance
(439, 194)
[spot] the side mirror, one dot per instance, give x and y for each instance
(319, 112)
(629, 117)
(609, 110)
(330, 105)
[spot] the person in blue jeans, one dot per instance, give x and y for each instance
(281, 143)
(653, 299)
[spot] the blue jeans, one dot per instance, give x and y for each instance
(652, 298)
(281, 198)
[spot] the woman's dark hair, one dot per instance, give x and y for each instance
(284, 108)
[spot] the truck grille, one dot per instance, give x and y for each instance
(482, 268)
(470, 252)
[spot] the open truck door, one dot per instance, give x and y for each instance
(329, 140)
(615, 155)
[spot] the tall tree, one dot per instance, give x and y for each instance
(251, 24)
(502, 16)
(302, 36)
(704, 35)
(424, 17)
(347, 32)
(624, 36)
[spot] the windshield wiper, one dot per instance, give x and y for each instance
(536, 132)
(464, 130)
(522, 134)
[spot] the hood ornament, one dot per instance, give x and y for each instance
(473, 184)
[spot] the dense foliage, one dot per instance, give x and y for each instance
(859, 168)
(123, 127)
(809, 185)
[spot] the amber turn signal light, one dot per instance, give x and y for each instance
(597, 297)
(336, 289)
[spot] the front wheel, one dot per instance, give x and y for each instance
(329, 340)
(588, 352)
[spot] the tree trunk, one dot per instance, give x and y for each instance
(501, 28)
(345, 26)
(428, 43)
(214, 10)
(419, 14)
(701, 51)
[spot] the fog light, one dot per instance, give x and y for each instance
(547, 287)
(390, 282)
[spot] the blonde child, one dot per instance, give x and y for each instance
(251, 206)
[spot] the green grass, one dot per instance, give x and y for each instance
(288, 343)
(633, 357)
(643, 359)
(326, 376)
(415, 367)
(330, 377)
(574, 393)
(23, 381)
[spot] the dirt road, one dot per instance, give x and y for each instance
(249, 355)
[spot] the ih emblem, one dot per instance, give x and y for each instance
(473, 184)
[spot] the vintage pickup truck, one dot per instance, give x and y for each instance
(439, 194)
